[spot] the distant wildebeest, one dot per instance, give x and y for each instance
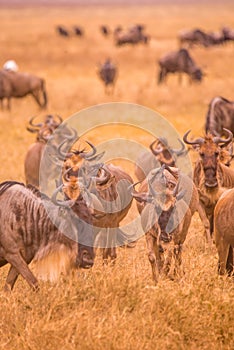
(15, 84)
(109, 183)
(228, 34)
(194, 37)
(11, 65)
(161, 153)
(165, 219)
(179, 62)
(133, 36)
(33, 157)
(108, 74)
(220, 115)
(78, 31)
(28, 232)
(104, 30)
(210, 175)
(224, 231)
(62, 31)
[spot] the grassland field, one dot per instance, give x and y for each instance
(116, 307)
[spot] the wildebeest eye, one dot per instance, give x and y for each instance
(216, 154)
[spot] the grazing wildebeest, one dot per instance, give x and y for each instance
(28, 232)
(62, 31)
(33, 157)
(161, 153)
(104, 30)
(224, 231)
(220, 115)
(109, 183)
(133, 36)
(194, 37)
(165, 219)
(210, 175)
(78, 31)
(108, 74)
(11, 65)
(15, 84)
(179, 62)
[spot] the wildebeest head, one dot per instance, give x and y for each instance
(44, 129)
(164, 153)
(209, 149)
(78, 169)
(81, 214)
(162, 191)
(197, 74)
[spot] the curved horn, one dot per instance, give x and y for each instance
(176, 189)
(154, 150)
(218, 140)
(103, 179)
(88, 155)
(180, 151)
(66, 204)
(32, 130)
(198, 141)
(34, 125)
(62, 155)
(60, 119)
(141, 197)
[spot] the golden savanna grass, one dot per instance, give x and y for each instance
(116, 307)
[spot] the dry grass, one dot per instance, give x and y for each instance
(116, 307)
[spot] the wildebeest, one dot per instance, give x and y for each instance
(133, 36)
(78, 31)
(220, 115)
(165, 219)
(15, 84)
(164, 154)
(228, 34)
(108, 74)
(33, 157)
(161, 153)
(210, 175)
(46, 231)
(104, 30)
(109, 183)
(224, 231)
(62, 31)
(194, 37)
(179, 62)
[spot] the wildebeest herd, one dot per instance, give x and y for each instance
(96, 197)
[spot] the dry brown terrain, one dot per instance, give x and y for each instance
(116, 307)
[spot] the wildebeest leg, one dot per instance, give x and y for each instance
(8, 103)
(35, 94)
(110, 250)
(16, 260)
(11, 279)
(223, 251)
(167, 262)
(178, 259)
(229, 264)
(161, 76)
(205, 221)
(153, 255)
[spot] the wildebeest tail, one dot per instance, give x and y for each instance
(7, 184)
